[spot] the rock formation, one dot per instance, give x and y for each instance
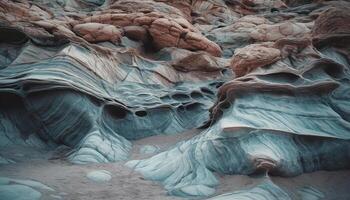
(266, 81)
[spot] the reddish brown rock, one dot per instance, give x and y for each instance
(94, 32)
(65, 83)
(332, 26)
(151, 22)
(267, 32)
(138, 33)
(252, 19)
(17, 11)
(168, 33)
(289, 46)
(201, 62)
(248, 58)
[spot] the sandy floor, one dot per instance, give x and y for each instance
(70, 182)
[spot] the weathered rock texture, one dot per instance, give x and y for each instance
(253, 56)
(267, 82)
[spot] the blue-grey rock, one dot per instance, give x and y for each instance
(310, 193)
(6, 160)
(143, 68)
(18, 192)
(21, 189)
(30, 183)
(99, 176)
(264, 191)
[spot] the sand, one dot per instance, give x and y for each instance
(70, 181)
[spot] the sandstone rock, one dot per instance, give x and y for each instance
(237, 34)
(212, 12)
(66, 82)
(332, 26)
(266, 32)
(171, 34)
(138, 33)
(252, 19)
(166, 31)
(290, 46)
(167, 24)
(95, 32)
(197, 62)
(253, 56)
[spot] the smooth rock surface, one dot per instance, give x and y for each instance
(18, 192)
(99, 176)
(184, 93)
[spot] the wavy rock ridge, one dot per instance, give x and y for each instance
(268, 83)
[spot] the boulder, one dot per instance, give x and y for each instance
(248, 58)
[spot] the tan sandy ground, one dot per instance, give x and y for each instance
(70, 182)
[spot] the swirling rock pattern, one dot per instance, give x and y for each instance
(268, 84)
(266, 190)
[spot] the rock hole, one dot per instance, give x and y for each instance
(116, 111)
(193, 106)
(165, 98)
(12, 36)
(180, 97)
(141, 113)
(246, 79)
(225, 72)
(8, 100)
(280, 77)
(334, 70)
(194, 14)
(95, 101)
(207, 91)
(274, 10)
(196, 95)
(181, 108)
(219, 84)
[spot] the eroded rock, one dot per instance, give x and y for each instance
(94, 32)
(253, 56)
(99, 176)
(266, 32)
(87, 77)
